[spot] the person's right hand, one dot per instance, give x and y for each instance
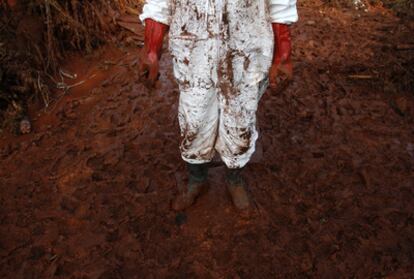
(151, 53)
(149, 67)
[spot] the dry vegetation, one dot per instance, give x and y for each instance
(34, 38)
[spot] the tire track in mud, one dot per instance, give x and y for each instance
(87, 195)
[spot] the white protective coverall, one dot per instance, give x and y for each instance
(222, 51)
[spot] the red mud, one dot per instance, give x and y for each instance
(87, 194)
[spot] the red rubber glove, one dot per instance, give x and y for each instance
(282, 70)
(151, 53)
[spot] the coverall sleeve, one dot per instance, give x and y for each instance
(283, 11)
(158, 10)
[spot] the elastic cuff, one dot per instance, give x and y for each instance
(196, 161)
(160, 19)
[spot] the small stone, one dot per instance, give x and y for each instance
(25, 126)
(401, 102)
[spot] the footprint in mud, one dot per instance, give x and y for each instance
(180, 219)
(95, 162)
(69, 204)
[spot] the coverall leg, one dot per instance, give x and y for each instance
(222, 51)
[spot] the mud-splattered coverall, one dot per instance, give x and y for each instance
(222, 51)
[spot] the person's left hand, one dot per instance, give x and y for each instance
(280, 74)
(281, 71)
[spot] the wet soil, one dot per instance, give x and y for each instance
(87, 194)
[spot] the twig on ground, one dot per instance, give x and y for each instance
(361, 76)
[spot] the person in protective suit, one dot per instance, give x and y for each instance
(224, 54)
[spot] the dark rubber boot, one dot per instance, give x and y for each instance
(197, 184)
(236, 186)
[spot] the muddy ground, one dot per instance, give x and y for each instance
(87, 194)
